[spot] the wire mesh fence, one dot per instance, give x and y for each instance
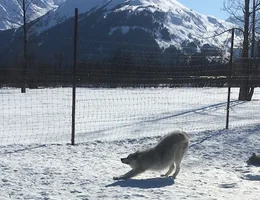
(123, 89)
(39, 116)
(44, 115)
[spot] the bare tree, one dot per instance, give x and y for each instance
(25, 42)
(245, 12)
(20, 10)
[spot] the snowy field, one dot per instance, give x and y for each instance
(36, 163)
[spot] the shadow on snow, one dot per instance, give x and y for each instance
(161, 118)
(144, 183)
(251, 177)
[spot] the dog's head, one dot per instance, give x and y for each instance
(131, 160)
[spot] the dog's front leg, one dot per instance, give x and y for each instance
(171, 168)
(130, 174)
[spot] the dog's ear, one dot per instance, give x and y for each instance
(254, 155)
(131, 156)
(135, 155)
(138, 153)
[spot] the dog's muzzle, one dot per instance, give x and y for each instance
(124, 160)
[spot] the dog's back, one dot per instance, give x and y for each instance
(172, 148)
(173, 140)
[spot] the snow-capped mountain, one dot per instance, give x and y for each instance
(107, 25)
(11, 11)
(177, 22)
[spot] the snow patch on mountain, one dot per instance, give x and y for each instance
(67, 11)
(122, 29)
(182, 23)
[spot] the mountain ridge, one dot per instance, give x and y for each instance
(179, 20)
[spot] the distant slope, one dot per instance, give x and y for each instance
(11, 13)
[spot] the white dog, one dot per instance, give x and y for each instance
(167, 153)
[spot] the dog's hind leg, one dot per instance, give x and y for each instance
(177, 170)
(178, 157)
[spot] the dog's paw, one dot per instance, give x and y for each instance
(164, 176)
(116, 178)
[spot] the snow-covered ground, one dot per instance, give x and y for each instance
(36, 163)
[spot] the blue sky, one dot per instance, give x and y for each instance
(208, 7)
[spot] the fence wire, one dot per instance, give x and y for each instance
(129, 93)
